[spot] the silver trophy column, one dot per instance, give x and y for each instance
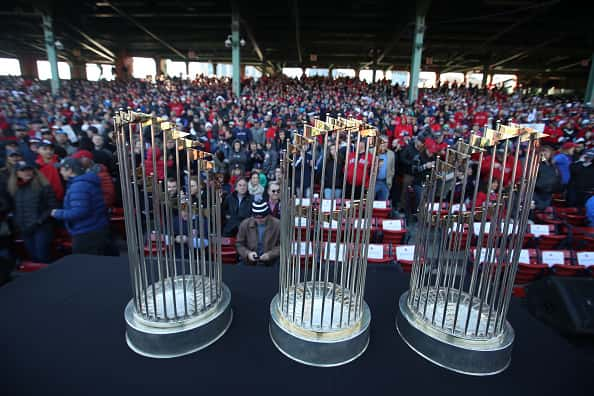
(454, 314)
(319, 316)
(180, 304)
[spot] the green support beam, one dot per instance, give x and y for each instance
(52, 56)
(417, 53)
(589, 98)
(235, 51)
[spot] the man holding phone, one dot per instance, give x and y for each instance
(258, 239)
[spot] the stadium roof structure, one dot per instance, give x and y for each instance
(528, 36)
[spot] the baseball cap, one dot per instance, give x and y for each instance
(22, 165)
(82, 154)
(13, 152)
(568, 145)
(47, 143)
(72, 163)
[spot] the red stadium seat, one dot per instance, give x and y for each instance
(550, 242)
(30, 266)
(380, 254)
(393, 231)
(228, 251)
(405, 256)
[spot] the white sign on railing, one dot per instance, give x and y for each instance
(375, 251)
(333, 224)
(477, 228)
(302, 202)
(300, 222)
(539, 229)
(524, 256)
(356, 223)
(392, 225)
(552, 257)
(456, 208)
(328, 205)
(585, 258)
(405, 252)
(434, 206)
(330, 252)
(302, 248)
(380, 205)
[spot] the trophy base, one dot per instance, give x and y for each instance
(319, 348)
(471, 357)
(183, 337)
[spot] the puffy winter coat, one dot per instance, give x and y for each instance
(84, 207)
(234, 213)
(33, 203)
(107, 186)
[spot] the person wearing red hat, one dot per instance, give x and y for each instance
(563, 162)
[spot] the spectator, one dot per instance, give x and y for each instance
(186, 233)
(582, 180)
(13, 157)
(302, 172)
(358, 170)
(107, 185)
(423, 162)
(590, 211)
(255, 189)
(499, 168)
(62, 147)
(563, 162)
(258, 239)
(34, 201)
(46, 161)
(238, 156)
(407, 158)
(386, 170)
(256, 156)
(236, 208)
(271, 159)
(274, 191)
(84, 212)
(334, 159)
(548, 180)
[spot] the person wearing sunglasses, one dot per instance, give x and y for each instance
(274, 199)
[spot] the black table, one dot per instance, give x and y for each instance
(62, 332)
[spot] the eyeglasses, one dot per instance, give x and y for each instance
(274, 191)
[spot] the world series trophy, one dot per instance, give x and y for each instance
(453, 315)
(180, 304)
(319, 317)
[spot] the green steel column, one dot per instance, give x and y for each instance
(417, 53)
(590, 87)
(485, 76)
(235, 48)
(50, 47)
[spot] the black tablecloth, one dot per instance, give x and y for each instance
(62, 332)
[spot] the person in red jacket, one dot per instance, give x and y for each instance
(46, 160)
(499, 167)
(107, 187)
(362, 164)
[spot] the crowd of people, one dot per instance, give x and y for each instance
(59, 168)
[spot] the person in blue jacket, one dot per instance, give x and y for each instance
(84, 212)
